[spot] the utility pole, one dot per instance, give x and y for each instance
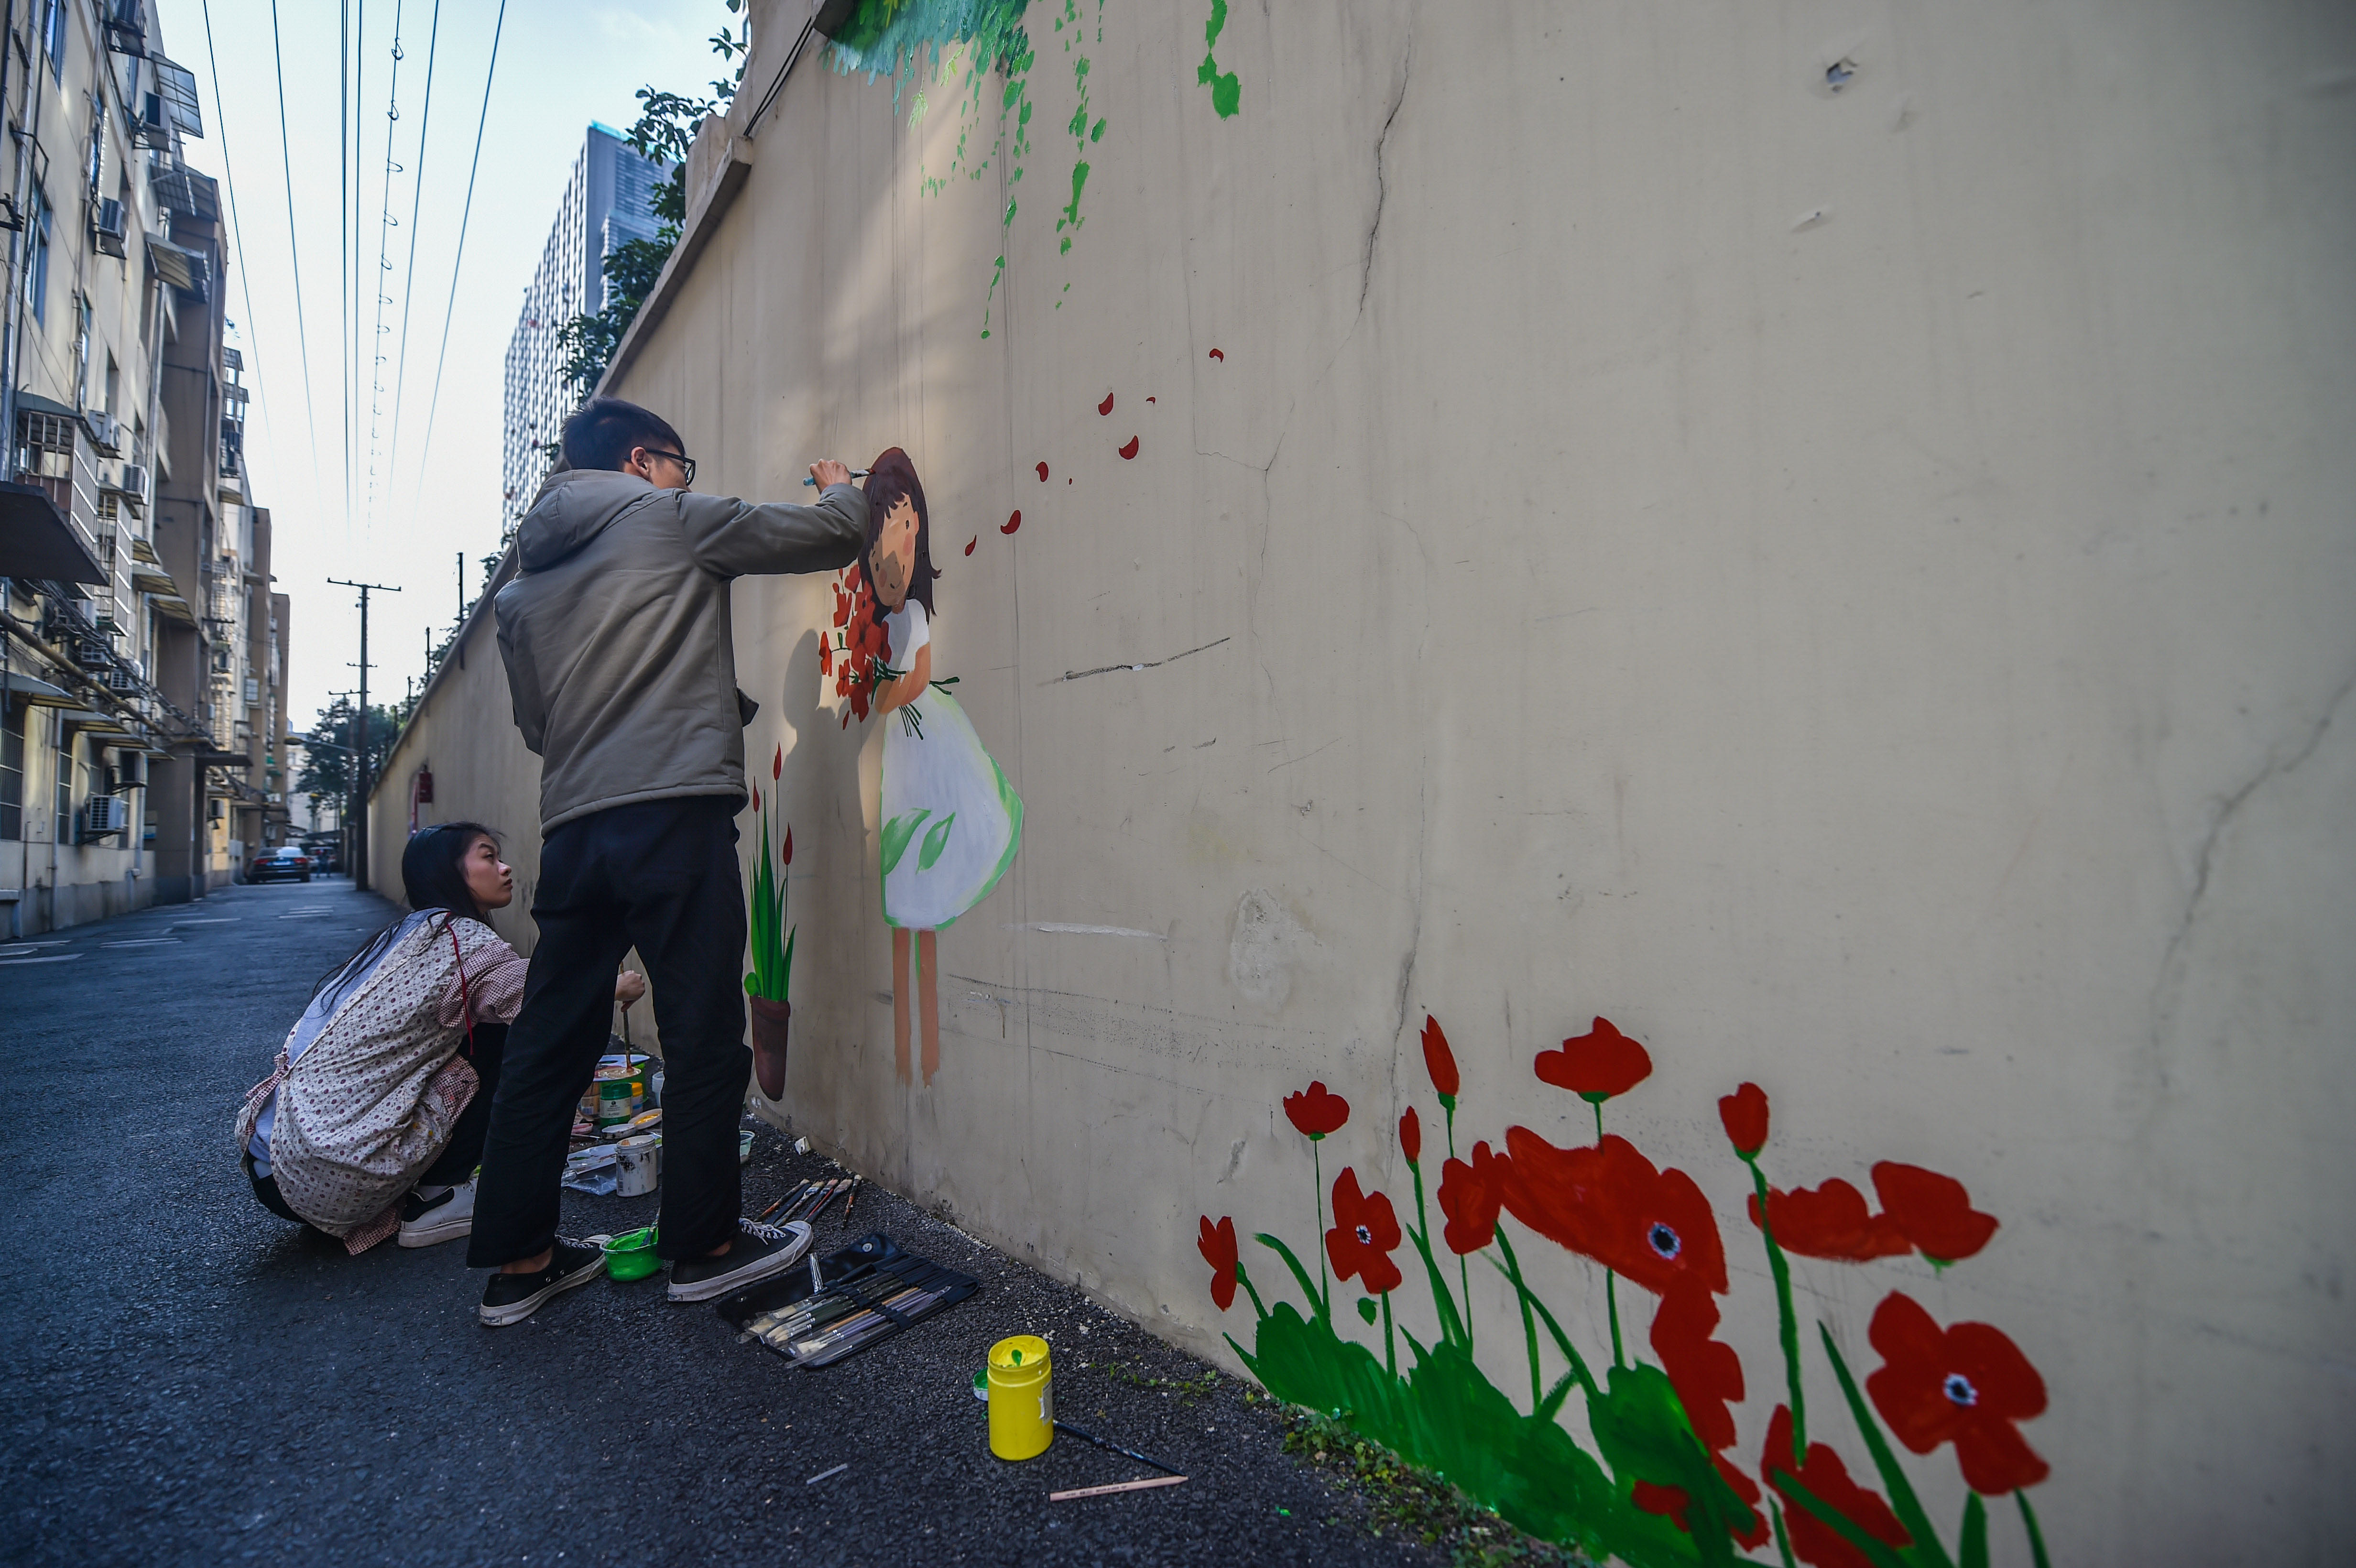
(462, 588)
(361, 740)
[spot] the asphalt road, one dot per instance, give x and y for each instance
(186, 1379)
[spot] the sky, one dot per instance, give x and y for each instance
(561, 65)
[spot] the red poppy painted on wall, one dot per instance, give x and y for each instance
(1471, 1195)
(1441, 1063)
(1316, 1114)
(1598, 1065)
(1830, 1222)
(1218, 1249)
(1366, 1232)
(1933, 1212)
(1612, 1204)
(1744, 1115)
(1968, 1385)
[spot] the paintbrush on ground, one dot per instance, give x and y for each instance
(1085, 1436)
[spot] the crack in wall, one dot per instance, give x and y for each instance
(2230, 808)
(1382, 181)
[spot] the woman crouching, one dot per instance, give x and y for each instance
(373, 1118)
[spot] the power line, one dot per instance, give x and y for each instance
(237, 231)
(386, 223)
(416, 200)
(286, 162)
(344, 234)
(464, 214)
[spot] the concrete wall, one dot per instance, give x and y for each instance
(1819, 532)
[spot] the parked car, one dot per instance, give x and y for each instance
(327, 855)
(276, 865)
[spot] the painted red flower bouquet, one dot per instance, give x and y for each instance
(858, 650)
(1659, 1482)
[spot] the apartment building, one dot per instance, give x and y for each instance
(142, 712)
(608, 202)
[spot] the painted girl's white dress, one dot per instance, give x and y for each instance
(951, 825)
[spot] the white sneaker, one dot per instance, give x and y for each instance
(430, 1222)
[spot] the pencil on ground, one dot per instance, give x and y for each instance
(1148, 1483)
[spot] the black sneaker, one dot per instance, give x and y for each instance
(512, 1297)
(760, 1251)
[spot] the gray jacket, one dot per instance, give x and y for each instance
(616, 635)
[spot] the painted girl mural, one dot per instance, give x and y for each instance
(951, 825)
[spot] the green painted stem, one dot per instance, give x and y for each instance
(1324, 1285)
(1464, 1274)
(2036, 1536)
(1783, 1541)
(1245, 1280)
(1390, 1344)
(1781, 1268)
(1529, 1325)
(1612, 1305)
(1452, 1328)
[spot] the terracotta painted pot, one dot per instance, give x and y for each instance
(769, 1021)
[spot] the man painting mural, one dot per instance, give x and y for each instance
(623, 668)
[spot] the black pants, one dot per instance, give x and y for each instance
(459, 1155)
(660, 876)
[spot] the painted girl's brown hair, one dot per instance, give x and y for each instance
(890, 478)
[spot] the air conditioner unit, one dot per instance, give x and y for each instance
(130, 770)
(104, 815)
(122, 680)
(106, 226)
(106, 432)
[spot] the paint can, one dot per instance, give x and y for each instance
(618, 1092)
(638, 1165)
(1021, 1398)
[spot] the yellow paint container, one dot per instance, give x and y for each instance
(1021, 1398)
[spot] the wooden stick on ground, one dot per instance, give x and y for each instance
(1149, 1482)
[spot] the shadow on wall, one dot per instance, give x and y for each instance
(789, 709)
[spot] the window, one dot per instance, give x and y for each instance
(11, 770)
(81, 349)
(56, 43)
(113, 383)
(65, 783)
(36, 272)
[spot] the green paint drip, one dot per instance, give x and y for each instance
(1226, 91)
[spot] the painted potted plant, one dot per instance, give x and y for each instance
(766, 984)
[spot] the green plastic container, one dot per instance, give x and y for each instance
(632, 1255)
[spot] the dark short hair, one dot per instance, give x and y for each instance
(605, 430)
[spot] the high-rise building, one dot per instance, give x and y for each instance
(608, 202)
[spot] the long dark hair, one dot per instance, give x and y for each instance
(432, 878)
(890, 478)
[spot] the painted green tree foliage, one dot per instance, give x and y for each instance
(1659, 1482)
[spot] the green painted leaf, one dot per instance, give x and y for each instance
(1971, 1546)
(2036, 1536)
(896, 834)
(1308, 1286)
(1367, 1309)
(937, 839)
(1299, 1361)
(1902, 1500)
(1458, 1424)
(1876, 1550)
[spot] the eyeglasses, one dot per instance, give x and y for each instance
(686, 464)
